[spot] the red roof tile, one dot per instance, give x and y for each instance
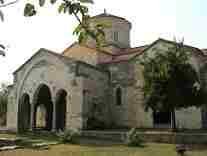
(126, 54)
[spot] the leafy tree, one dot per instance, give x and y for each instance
(3, 103)
(79, 10)
(170, 81)
(3, 4)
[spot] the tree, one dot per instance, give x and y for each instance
(170, 81)
(3, 4)
(79, 10)
(3, 103)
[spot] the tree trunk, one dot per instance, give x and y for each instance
(173, 121)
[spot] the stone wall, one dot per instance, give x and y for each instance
(189, 118)
(131, 112)
(145, 117)
(12, 111)
(128, 76)
(121, 26)
(57, 73)
(95, 92)
(174, 138)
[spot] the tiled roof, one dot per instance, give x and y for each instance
(86, 46)
(126, 54)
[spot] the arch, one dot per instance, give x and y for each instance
(118, 96)
(43, 102)
(24, 113)
(36, 64)
(60, 105)
(162, 119)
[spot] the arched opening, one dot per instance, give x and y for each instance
(61, 109)
(40, 116)
(118, 96)
(162, 119)
(24, 112)
(43, 108)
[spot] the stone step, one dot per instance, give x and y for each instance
(97, 141)
(111, 136)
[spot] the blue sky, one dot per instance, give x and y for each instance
(150, 20)
(191, 21)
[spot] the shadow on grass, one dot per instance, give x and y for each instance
(102, 143)
(39, 136)
(36, 140)
(30, 138)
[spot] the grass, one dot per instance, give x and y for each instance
(149, 149)
(28, 140)
(46, 137)
(115, 150)
(7, 135)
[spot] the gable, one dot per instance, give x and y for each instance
(82, 53)
(41, 54)
(163, 45)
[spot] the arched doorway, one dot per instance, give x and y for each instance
(24, 112)
(61, 109)
(162, 119)
(43, 108)
(40, 116)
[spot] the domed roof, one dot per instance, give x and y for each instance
(105, 14)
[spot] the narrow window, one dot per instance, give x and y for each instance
(116, 36)
(118, 96)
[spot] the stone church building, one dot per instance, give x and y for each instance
(84, 85)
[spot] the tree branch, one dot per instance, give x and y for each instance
(78, 19)
(7, 4)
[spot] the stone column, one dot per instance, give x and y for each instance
(54, 115)
(32, 117)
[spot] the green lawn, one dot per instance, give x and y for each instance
(115, 150)
(150, 149)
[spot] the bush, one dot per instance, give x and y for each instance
(69, 136)
(133, 138)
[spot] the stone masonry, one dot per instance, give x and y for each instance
(83, 79)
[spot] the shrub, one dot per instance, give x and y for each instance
(133, 138)
(69, 136)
